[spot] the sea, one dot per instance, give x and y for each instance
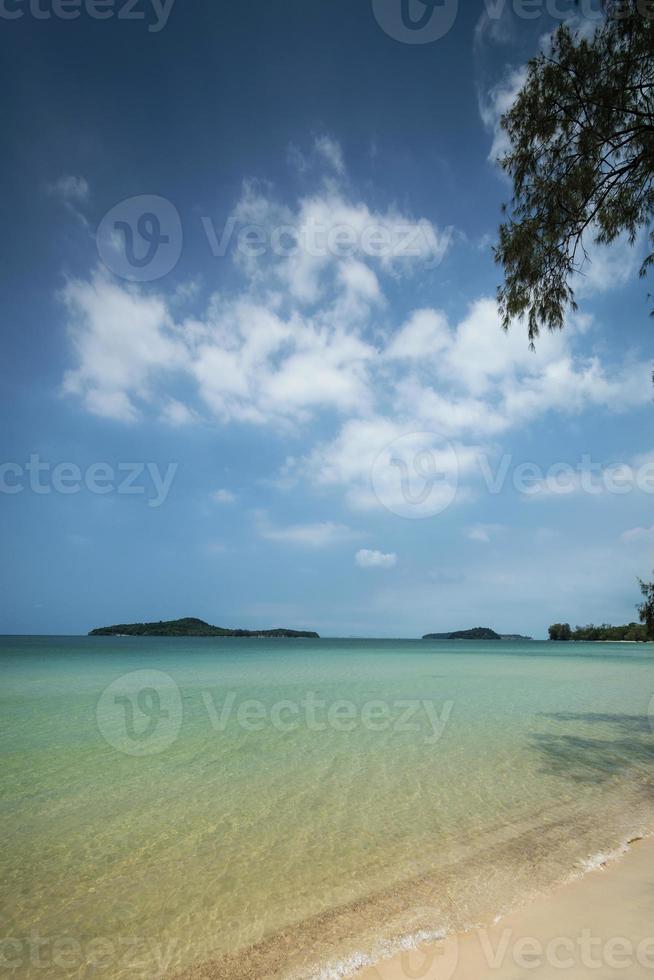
(296, 808)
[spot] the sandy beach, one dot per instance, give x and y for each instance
(600, 925)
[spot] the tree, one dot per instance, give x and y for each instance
(581, 161)
(560, 631)
(646, 608)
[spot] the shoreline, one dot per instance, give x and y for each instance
(604, 898)
(597, 924)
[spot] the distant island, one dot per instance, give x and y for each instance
(633, 632)
(194, 627)
(478, 633)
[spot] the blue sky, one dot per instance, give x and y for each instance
(250, 341)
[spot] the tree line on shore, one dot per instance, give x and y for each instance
(631, 631)
(641, 632)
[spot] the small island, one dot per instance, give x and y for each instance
(195, 627)
(477, 633)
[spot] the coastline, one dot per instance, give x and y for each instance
(599, 924)
(606, 899)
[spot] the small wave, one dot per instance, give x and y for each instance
(600, 860)
(347, 967)
(352, 964)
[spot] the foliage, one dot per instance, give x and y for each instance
(646, 608)
(560, 631)
(581, 161)
(632, 631)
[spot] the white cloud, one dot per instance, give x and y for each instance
(177, 414)
(619, 479)
(644, 535)
(424, 335)
(71, 190)
(313, 338)
(296, 158)
(374, 559)
(330, 150)
(495, 103)
(360, 280)
(483, 532)
(223, 496)
(608, 267)
(495, 25)
(318, 535)
(250, 361)
(123, 339)
(431, 381)
(383, 448)
(479, 383)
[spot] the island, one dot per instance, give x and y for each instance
(195, 627)
(477, 633)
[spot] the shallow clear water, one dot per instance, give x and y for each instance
(369, 790)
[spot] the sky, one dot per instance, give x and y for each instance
(252, 363)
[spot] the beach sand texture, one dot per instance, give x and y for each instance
(599, 926)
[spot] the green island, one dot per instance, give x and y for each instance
(194, 627)
(477, 633)
(634, 632)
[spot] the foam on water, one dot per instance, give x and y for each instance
(352, 964)
(267, 851)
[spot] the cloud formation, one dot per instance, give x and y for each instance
(310, 344)
(319, 535)
(374, 559)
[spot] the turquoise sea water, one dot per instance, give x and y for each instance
(283, 808)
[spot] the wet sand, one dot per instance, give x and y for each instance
(600, 925)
